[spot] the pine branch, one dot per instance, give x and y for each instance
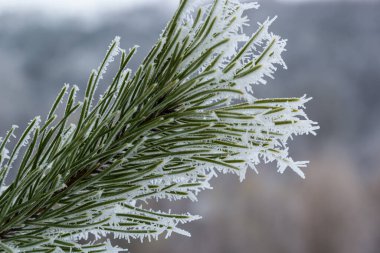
(160, 133)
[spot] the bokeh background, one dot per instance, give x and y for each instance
(333, 55)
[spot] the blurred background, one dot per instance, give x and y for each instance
(333, 55)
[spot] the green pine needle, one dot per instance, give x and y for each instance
(164, 131)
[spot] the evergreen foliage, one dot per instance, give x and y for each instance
(163, 132)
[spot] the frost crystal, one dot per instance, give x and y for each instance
(187, 114)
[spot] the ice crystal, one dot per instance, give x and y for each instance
(163, 132)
